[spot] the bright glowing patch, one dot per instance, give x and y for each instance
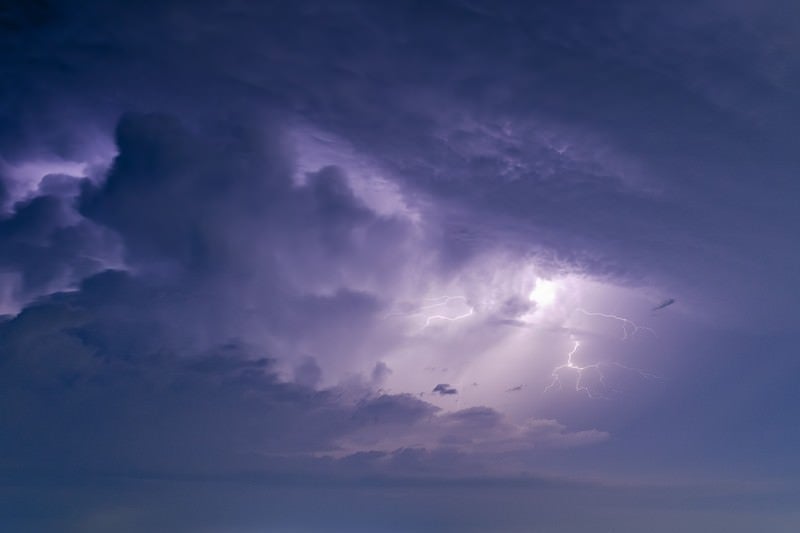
(543, 293)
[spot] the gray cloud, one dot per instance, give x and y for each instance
(444, 389)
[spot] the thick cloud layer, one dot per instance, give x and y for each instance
(459, 245)
(163, 368)
(588, 131)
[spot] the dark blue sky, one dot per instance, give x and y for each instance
(399, 266)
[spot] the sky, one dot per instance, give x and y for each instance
(411, 266)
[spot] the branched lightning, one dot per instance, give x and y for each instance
(580, 370)
(570, 365)
(629, 329)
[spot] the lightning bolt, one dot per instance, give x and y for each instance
(596, 368)
(629, 329)
(570, 365)
(448, 318)
(440, 301)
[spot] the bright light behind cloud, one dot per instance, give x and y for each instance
(316, 149)
(543, 293)
(498, 333)
(24, 178)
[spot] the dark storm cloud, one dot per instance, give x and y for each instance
(536, 132)
(403, 409)
(634, 142)
(213, 217)
(308, 373)
(137, 371)
(217, 200)
(168, 191)
(45, 245)
(113, 401)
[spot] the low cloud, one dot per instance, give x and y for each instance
(112, 398)
(444, 389)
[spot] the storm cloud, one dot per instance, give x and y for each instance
(269, 250)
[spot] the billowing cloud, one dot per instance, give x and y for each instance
(246, 300)
(300, 244)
